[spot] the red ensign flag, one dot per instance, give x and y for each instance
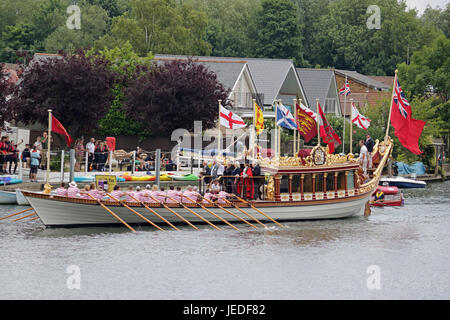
(58, 128)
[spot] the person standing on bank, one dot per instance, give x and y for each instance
(34, 164)
(90, 148)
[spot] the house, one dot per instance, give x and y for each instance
(365, 90)
(265, 80)
(320, 84)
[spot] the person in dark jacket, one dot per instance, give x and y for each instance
(369, 143)
(256, 171)
(229, 181)
(206, 172)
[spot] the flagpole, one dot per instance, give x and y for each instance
(279, 134)
(390, 106)
(298, 132)
(219, 139)
(318, 125)
(351, 126)
(294, 109)
(254, 129)
(343, 114)
(49, 140)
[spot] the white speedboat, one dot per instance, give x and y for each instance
(402, 182)
(7, 197)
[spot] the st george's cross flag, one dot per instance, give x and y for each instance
(57, 127)
(329, 136)
(229, 120)
(306, 121)
(358, 119)
(285, 118)
(407, 129)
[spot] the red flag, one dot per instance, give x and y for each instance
(329, 136)
(306, 122)
(58, 128)
(407, 129)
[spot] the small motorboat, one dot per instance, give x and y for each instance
(402, 182)
(393, 197)
(7, 197)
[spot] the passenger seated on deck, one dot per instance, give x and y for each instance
(116, 193)
(62, 191)
(73, 190)
(171, 193)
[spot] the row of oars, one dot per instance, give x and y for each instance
(21, 218)
(122, 203)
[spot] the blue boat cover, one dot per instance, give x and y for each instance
(404, 169)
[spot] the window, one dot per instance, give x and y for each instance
(295, 183)
(284, 185)
(330, 105)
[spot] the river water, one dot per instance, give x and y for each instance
(396, 253)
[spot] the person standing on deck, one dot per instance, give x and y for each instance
(363, 156)
(369, 143)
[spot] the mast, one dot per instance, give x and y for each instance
(49, 139)
(219, 138)
(390, 107)
(294, 110)
(318, 124)
(351, 126)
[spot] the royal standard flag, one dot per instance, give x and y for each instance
(259, 119)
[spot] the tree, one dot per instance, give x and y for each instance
(174, 95)
(279, 34)
(231, 35)
(159, 26)
(76, 87)
(123, 61)
(440, 18)
(5, 91)
(344, 41)
(94, 24)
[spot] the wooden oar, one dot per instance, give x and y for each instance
(33, 219)
(162, 203)
(112, 213)
(28, 215)
(195, 213)
(135, 212)
(15, 214)
(246, 213)
(228, 211)
(215, 215)
(154, 212)
(256, 209)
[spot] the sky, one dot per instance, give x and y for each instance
(420, 5)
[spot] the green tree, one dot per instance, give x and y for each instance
(344, 41)
(161, 26)
(123, 61)
(279, 34)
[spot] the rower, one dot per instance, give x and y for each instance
(172, 193)
(62, 191)
(379, 196)
(117, 193)
(187, 194)
(145, 194)
(208, 196)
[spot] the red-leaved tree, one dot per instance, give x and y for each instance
(174, 95)
(5, 91)
(77, 88)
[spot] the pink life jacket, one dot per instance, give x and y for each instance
(172, 194)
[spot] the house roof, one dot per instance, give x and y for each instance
(268, 74)
(365, 80)
(387, 80)
(316, 83)
(227, 72)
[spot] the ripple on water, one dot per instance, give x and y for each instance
(311, 259)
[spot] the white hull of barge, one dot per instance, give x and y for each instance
(62, 213)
